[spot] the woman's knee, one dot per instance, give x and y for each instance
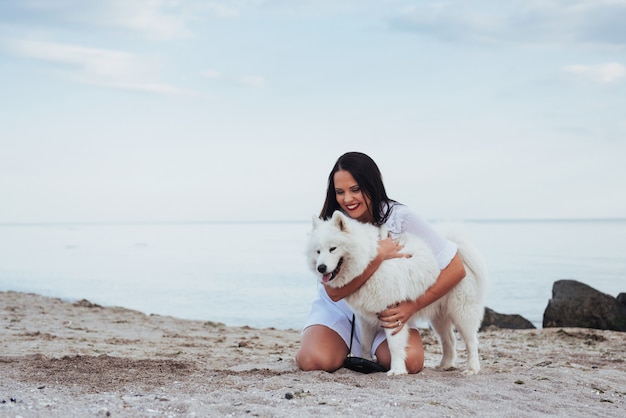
(308, 360)
(414, 360)
(322, 349)
(415, 353)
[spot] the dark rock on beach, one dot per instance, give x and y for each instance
(576, 304)
(504, 321)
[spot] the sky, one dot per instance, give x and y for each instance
(190, 110)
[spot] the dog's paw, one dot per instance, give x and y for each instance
(397, 372)
(445, 368)
(470, 372)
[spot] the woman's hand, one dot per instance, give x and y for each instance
(396, 316)
(389, 249)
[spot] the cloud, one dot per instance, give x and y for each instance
(212, 74)
(160, 19)
(100, 67)
(521, 21)
(222, 10)
(154, 19)
(254, 81)
(602, 73)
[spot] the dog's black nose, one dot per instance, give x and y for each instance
(321, 268)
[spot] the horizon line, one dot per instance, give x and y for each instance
(292, 221)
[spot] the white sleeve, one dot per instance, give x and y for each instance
(407, 221)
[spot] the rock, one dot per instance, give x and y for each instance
(621, 298)
(493, 318)
(575, 304)
(86, 304)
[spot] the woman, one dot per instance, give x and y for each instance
(355, 187)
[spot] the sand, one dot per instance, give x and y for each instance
(79, 359)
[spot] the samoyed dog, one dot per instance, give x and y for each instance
(339, 249)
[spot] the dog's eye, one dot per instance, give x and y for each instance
(332, 249)
(318, 251)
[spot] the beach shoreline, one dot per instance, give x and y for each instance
(80, 359)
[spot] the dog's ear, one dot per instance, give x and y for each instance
(341, 221)
(316, 221)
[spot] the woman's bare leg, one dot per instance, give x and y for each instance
(321, 349)
(414, 353)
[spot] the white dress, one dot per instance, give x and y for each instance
(338, 315)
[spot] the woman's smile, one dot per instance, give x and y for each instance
(350, 197)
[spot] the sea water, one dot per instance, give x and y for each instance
(255, 273)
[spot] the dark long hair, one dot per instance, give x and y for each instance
(370, 181)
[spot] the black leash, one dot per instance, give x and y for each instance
(351, 335)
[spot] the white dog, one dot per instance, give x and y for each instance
(341, 248)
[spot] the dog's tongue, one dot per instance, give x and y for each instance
(326, 277)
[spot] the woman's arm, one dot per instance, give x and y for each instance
(448, 278)
(387, 249)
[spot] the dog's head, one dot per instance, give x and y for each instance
(329, 248)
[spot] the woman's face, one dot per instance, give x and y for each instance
(350, 198)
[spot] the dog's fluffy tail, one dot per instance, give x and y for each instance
(473, 261)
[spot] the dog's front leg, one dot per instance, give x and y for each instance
(397, 349)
